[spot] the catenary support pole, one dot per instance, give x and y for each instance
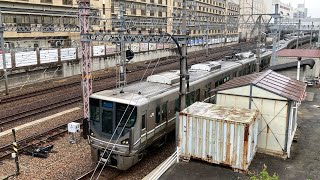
(84, 19)
(122, 49)
(311, 35)
(258, 45)
(319, 37)
(207, 38)
(183, 62)
(297, 45)
(3, 51)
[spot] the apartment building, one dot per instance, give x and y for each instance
(23, 16)
(166, 15)
(170, 12)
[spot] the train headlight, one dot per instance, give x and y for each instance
(125, 142)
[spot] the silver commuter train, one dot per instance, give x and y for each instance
(152, 107)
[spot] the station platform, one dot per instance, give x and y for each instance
(303, 164)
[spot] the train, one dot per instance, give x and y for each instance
(123, 124)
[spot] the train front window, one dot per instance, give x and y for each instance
(107, 124)
(126, 114)
(94, 110)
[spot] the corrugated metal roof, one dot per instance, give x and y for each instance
(217, 112)
(306, 53)
(270, 81)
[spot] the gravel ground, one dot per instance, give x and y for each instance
(153, 159)
(42, 127)
(70, 161)
(67, 161)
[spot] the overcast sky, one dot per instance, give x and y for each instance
(312, 5)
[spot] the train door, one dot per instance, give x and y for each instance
(144, 134)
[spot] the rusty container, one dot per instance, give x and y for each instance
(218, 134)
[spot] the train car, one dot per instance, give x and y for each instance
(123, 125)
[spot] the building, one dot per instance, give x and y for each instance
(22, 16)
(301, 11)
(211, 12)
(246, 9)
(45, 14)
(276, 97)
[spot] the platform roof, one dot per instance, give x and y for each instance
(304, 53)
(271, 81)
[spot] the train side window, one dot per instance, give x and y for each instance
(192, 98)
(164, 112)
(158, 114)
(188, 99)
(216, 84)
(143, 122)
(197, 97)
(176, 107)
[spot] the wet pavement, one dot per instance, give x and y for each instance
(304, 162)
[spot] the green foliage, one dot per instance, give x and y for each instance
(264, 175)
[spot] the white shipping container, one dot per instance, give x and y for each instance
(219, 134)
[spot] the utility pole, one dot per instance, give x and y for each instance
(84, 14)
(279, 35)
(297, 46)
(183, 62)
(259, 45)
(4, 62)
(122, 79)
(274, 38)
(311, 35)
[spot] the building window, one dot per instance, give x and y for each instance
(103, 9)
(159, 1)
(151, 1)
(143, 12)
(67, 2)
(133, 11)
(151, 13)
(159, 14)
(46, 1)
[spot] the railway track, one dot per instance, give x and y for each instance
(4, 120)
(71, 93)
(141, 66)
(35, 139)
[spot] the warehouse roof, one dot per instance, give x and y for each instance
(306, 53)
(270, 81)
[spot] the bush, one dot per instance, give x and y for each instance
(264, 175)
